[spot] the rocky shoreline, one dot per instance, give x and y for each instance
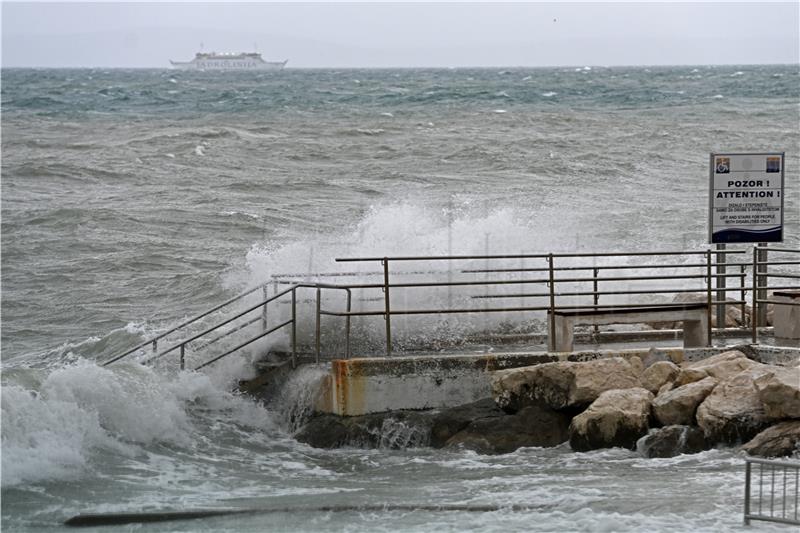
(655, 405)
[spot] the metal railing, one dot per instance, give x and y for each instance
(552, 295)
(772, 494)
(566, 285)
(180, 347)
(154, 340)
(761, 277)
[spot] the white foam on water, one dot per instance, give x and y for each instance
(53, 431)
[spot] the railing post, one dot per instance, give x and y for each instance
(155, 346)
(551, 334)
(347, 325)
(318, 325)
(762, 281)
(264, 310)
(742, 294)
(747, 473)
(721, 284)
(294, 327)
(183, 356)
(596, 297)
(708, 294)
(388, 316)
(754, 314)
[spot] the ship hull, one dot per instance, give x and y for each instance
(227, 65)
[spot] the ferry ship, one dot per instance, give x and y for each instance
(228, 61)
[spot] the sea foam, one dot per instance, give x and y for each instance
(81, 409)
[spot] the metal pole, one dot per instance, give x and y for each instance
(762, 281)
(264, 311)
(294, 328)
(708, 294)
(183, 356)
(317, 330)
(747, 493)
(155, 346)
(347, 325)
(596, 298)
(742, 294)
(754, 311)
(388, 315)
(551, 335)
(721, 284)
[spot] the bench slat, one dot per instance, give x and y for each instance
(628, 310)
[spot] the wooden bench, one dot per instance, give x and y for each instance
(694, 318)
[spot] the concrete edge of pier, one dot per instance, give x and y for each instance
(379, 384)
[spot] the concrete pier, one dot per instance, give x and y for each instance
(373, 385)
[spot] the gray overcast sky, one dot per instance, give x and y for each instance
(402, 34)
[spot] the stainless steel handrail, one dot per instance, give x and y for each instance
(551, 280)
(761, 275)
(788, 472)
(154, 340)
(219, 325)
(527, 256)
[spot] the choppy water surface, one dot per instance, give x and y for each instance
(132, 199)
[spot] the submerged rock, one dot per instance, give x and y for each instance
(535, 425)
(447, 422)
(562, 385)
(779, 440)
(398, 429)
(618, 418)
(670, 441)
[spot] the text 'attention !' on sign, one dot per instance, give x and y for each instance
(746, 200)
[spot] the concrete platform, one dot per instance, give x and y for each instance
(372, 385)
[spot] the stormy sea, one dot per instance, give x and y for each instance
(133, 199)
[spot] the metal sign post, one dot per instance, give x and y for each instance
(761, 294)
(721, 284)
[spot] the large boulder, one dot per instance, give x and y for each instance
(688, 375)
(659, 374)
(779, 391)
(777, 441)
(678, 406)
(733, 412)
(723, 365)
(562, 385)
(535, 425)
(670, 441)
(617, 418)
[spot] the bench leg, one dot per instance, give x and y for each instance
(564, 335)
(695, 333)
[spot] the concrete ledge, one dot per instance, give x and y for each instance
(378, 384)
(374, 385)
